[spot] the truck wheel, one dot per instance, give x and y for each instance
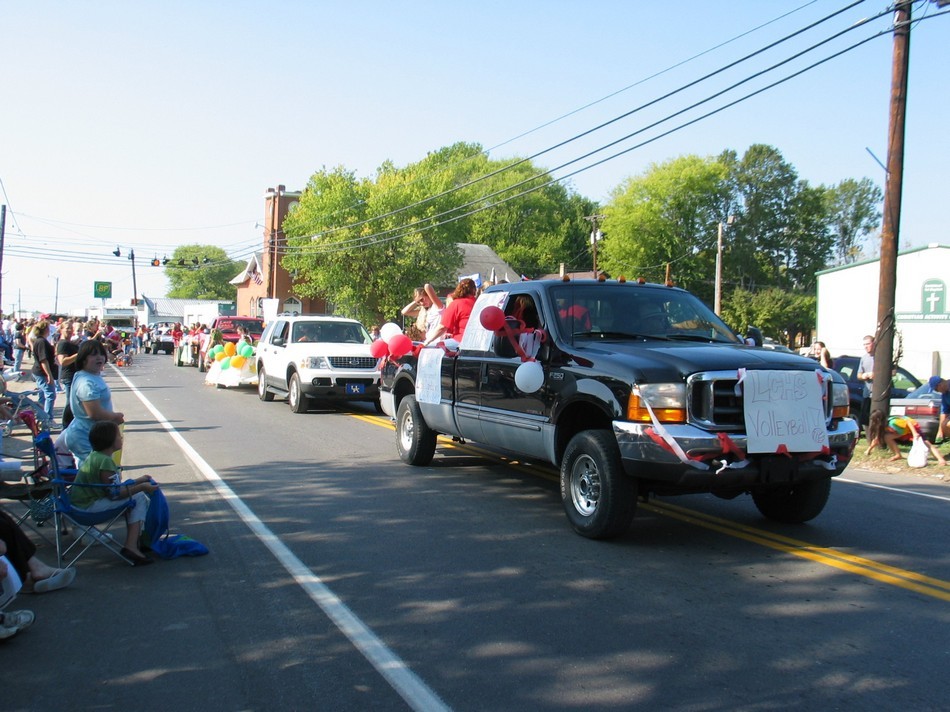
(262, 392)
(599, 497)
(299, 403)
(415, 441)
(794, 504)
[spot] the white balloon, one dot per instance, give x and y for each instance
(388, 331)
(529, 376)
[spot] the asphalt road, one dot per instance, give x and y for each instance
(341, 579)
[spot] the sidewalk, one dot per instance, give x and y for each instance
(146, 637)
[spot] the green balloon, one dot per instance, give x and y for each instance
(247, 350)
(225, 363)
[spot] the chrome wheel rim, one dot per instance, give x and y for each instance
(585, 485)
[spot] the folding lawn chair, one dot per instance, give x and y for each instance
(89, 528)
(34, 491)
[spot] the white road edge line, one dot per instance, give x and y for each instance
(404, 681)
(892, 489)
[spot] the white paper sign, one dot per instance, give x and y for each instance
(784, 408)
(429, 375)
(476, 336)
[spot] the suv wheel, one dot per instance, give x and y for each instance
(262, 392)
(299, 403)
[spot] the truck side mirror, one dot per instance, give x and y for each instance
(755, 334)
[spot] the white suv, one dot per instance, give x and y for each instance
(316, 357)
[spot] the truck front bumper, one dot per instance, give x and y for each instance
(708, 461)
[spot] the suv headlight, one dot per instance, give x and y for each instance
(315, 362)
(668, 401)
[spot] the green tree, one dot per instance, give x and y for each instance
(853, 209)
(201, 272)
(364, 244)
(668, 215)
(780, 314)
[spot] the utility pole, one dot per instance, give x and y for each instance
(595, 235)
(890, 229)
(135, 289)
(718, 301)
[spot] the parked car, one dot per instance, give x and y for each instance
(160, 339)
(923, 405)
(316, 357)
(904, 382)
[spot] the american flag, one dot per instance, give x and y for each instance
(256, 276)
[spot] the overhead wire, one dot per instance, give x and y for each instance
(605, 124)
(369, 240)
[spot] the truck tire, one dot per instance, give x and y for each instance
(599, 498)
(415, 441)
(794, 504)
(296, 399)
(262, 392)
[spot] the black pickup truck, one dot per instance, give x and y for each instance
(630, 389)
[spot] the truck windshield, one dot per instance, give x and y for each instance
(612, 311)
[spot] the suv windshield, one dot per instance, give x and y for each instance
(330, 332)
(617, 311)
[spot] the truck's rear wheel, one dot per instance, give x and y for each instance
(598, 497)
(415, 441)
(794, 504)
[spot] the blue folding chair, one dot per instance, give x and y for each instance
(89, 528)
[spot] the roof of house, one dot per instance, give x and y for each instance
(253, 265)
(482, 260)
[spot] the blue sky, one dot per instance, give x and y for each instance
(151, 125)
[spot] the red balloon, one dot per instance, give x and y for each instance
(400, 345)
(493, 318)
(378, 348)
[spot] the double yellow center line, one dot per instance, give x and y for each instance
(882, 573)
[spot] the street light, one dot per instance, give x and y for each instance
(718, 302)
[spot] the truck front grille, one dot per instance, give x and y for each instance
(715, 405)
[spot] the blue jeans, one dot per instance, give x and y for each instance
(47, 394)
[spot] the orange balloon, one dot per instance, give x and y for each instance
(230, 349)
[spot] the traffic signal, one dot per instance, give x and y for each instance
(156, 262)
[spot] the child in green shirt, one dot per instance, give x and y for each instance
(99, 468)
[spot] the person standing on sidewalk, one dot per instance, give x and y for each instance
(44, 367)
(66, 351)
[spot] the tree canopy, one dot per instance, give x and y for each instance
(205, 272)
(363, 244)
(783, 231)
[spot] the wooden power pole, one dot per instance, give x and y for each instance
(890, 229)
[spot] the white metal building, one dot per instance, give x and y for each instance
(847, 308)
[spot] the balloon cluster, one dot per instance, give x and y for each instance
(231, 355)
(529, 376)
(391, 342)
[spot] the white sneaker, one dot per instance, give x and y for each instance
(12, 622)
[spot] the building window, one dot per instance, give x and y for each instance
(292, 305)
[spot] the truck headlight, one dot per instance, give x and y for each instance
(840, 400)
(668, 401)
(315, 362)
